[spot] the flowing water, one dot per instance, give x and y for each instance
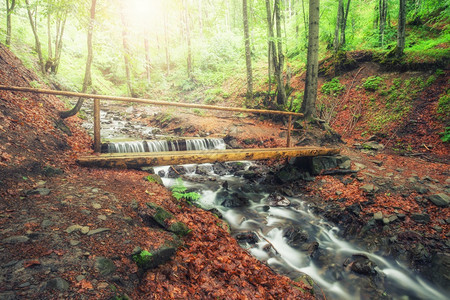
(329, 267)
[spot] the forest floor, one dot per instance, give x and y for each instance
(70, 232)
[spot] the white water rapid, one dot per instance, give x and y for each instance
(328, 267)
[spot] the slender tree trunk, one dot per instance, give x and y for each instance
(49, 32)
(279, 66)
(126, 53)
(9, 11)
(309, 100)
(87, 73)
(337, 43)
(36, 36)
(344, 22)
(401, 28)
(166, 43)
(305, 21)
(147, 58)
(271, 44)
(382, 7)
(188, 39)
(61, 24)
(248, 55)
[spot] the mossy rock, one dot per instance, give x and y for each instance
(150, 260)
(161, 216)
(179, 228)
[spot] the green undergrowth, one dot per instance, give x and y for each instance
(179, 191)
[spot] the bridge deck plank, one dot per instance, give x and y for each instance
(136, 160)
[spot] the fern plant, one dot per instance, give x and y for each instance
(179, 191)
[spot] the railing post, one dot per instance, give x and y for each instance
(97, 142)
(288, 143)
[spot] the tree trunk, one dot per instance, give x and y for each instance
(271, 44)
(147, 58)
(87, 74)
(401, 28)
(166, 43)
(309, 99)
(126, 53)
(9, 11)
(279, 65)
(248, 56)
(188, 40)
(344, 22)
(337, 43)
(36, 36)
(305, 21)
(382, 8)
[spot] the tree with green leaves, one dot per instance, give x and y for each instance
(87, 72)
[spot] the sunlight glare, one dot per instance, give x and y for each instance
(143, 12)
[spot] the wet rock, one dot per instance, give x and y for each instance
(16, 239)
(51, 171)
(310, 248)
(320, 163)
(46, 223)
(359, 167)
(276, 199)
(295, 236)
(421, 218)
(247, 237)
(441, 200)
(179, 228)
(57, 284)
(203, 169)
(290, 173)
(439, 270)
(228, 199)
(104, 266)
(176, 171)
(216, 212)
(220, 169)
(345, 165)
(38, 191)
(420, 253)
(361, 264)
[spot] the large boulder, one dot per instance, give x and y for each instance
(228, 199)
(295, 236)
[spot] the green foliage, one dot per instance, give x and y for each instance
(179, 191)
(297, 102)
(445, 136)
(444, 104)
(142, 258)
(333, 87)
(372, 83)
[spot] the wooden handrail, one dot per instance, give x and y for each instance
(146, 101)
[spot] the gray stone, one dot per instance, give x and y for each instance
(105, 266)
(158, 257)
(43, 191)
(345, 165)
(377, 162)
(46, 223)
(58, 284)
(80, 277)
(74, 242)
(369, 188)
(23, 285)
(421, 189)
(84, 229)
(392, 218)
(412, 179)
(385, 221)
(16, 239)
(94, 190)
(372, 146)
(102, 217)
(8, 296)
(421, 218)
(359, 166)
(98, 230)
(437, 228)
(96, 205)
(378, 216)
(73, 228)
(441, 200)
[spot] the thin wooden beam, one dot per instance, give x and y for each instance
(136, 160)
(147, 101)
(288, 143)
(97, 140)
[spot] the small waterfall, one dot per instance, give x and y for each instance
(163, 145)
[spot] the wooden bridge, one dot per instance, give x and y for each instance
(135, 160)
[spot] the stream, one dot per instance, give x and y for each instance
(292, 240)
(280, 231)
